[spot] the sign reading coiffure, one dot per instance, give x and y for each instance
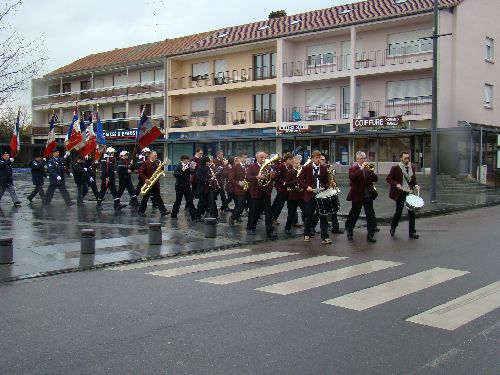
(376, 122)
(293, 128)
(121, 133)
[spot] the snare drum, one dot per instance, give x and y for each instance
(328, 202)
(414, 202)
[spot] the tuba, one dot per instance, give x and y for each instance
(265, 170)
(297, 185)
(159, 172)
(330, 171)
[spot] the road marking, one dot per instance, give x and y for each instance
(219, 264)
(461, 310)
(177, 259)
(376, 295)
(325, 278)
(270, 270)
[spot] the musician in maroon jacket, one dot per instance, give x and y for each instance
(237, 178)
(361, 195)
(146, 170)
(402, 180)
(194, 163)
(313, 178)
(279, 184)
(220, 168)
(260, 197)
(294, 197)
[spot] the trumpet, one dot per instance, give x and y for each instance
(159, 172)
(265, 170)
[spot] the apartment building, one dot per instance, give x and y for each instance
(341, 79)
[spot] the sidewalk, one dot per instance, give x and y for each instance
(47, 241)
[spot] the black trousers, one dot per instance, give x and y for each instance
(180, 192)
(206, 202)
(82, 190)
(93, 187)
(292, 216)
(400, 204)
(335, 220)
(310, 208)
(224, 200)
(353, 216)
(239, 206)
(38, 189)
(260, 205)
(155, 195)
(111, 185)
(279, 203)
(126, 183)
(62, 188)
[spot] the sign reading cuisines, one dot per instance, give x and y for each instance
(294, 128)
(375, 122)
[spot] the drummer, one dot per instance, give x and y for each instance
(313, 179)
(403, 182)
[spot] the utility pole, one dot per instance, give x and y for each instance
(434, 142)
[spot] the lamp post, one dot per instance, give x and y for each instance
(434, 143)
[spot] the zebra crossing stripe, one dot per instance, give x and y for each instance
(178, 259)
(219, 264)
(461, 310)
(270, 270)
(376, 295)
(325, 278)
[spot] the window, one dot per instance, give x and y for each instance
(84, 85)
(159, 109)
(119, 111)
(159, 75)
(86, 115)
(264, 107)
(147, 76)
(319, 102)
(220, 69)
(410, 42)
(199, 108)
(409, 90)
(489, 49)
(120, 80)
(199, 71)
(98, 83)
(54, 89)
(264, 65)
(321, 55)
(147, 110)
(67, 87)
(488, 95)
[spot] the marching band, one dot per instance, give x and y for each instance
(310, 187)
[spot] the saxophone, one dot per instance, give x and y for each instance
(159, 172)
(330, 172)
(297, 185)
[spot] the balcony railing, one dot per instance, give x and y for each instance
(395, 107)
(363, 60)
(221, 78)
(310, 113)
(222, 118)
(106, 92)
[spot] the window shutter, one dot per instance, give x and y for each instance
(320, 97)
(120, 80)
(147, 76)
(409, 89)
(220, 68)
(200, 69)
(159, 75)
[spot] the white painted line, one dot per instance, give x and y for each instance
(270, 270)
(325, 278)
(219, 264)
(376, 295)
(461, 310)
(162, 262)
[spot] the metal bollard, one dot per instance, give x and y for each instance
(210, 227)
(6, 250)
(87, 241)
(155, 234)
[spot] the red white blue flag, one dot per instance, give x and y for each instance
(51, 139)
(147, 132)
(15, 143)
(74, 135)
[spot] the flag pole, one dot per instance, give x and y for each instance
(135, 143)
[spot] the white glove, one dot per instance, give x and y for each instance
(66, 154)
(241, 183)
(85, 169)
(71, 174)
(91, 179)
(44, 159)
(59, 178)
(12, 160)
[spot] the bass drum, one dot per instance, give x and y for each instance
(328, 202)
(414, 202)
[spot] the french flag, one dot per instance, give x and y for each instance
(51, 139)
(15, 143)
(80, 146)
(90, 143)
(147, 132)
(74, 135)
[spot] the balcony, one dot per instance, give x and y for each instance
(415, 106)
(222, 78)
(310, 113)
(236, 118)
(124, 92)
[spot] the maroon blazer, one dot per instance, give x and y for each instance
(146, 170)
(221, 177)
(306, 179)
(237, 174)
(395, 177)
(257, 191)
(280, 178)
(291, 182)
(359, 181)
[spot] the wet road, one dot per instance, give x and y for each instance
(399, 306)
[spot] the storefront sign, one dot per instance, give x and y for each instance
(121, 133)
(294, 128)
(376, 122)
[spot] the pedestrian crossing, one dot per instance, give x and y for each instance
(448, 316)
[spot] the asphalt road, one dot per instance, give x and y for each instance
(131, 321)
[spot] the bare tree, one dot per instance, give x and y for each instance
(20, 59)
(8, 118)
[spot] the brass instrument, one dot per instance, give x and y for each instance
(297, 185)
(246, 185)
(370, 167)
(159, 172)
(265, 170)
(330, 172)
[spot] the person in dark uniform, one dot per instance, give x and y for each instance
(80, 177)
(145, 152)
(37, 176)
(220, 169)
(91, 178)
(280, 185)
(146, 171)
(108, 180)
(240, 189)
(205, 185)
(6, 179)
(361, 194)
(182, 176)
(295, 197)
(194, 164)
(125, 179)
(56, 167)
